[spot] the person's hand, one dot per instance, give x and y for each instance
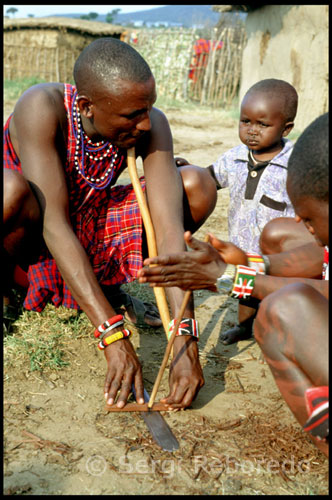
(229, 252)
(179, 162)
(186, 375)
(123, 369)
(191, 270)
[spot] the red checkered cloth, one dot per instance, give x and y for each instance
(107, 222)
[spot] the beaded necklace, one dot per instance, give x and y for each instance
(102, 149)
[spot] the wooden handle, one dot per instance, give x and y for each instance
(185, 301)
(150, 235)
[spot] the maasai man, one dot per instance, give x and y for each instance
(77, 233)
(291, 326)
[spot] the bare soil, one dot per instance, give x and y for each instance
(238, 438)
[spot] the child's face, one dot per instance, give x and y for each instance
(262, 125)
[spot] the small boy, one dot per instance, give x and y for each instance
(255, 173)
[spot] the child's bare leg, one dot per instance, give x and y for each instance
(291, 328)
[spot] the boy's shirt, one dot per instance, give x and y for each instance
(253, 204)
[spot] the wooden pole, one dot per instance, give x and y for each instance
(150, 235)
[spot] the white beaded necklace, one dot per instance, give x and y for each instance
(82, 150)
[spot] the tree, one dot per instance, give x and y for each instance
(111, 15)
(31, 15)
(11, 10)
(93, 15)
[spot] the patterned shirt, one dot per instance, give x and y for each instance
(248, 214)
(107, 222)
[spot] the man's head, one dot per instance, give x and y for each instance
(107, 61)
(116, 91)
(308, 178)
(268, 110)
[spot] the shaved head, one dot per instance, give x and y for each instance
(107, 61)
(280, 89)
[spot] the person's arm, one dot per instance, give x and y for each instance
(38, 127)
(305, 261)
(165, 199)
(204, 265)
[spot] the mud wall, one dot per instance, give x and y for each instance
(290, 42)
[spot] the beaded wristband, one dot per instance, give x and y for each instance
(256, 261)
(109, 325)
(188, 326)
(121, 334)
(244, 282)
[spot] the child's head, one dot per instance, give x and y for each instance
(308, 178)
(268, 110)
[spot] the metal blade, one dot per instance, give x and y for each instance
(158, 427)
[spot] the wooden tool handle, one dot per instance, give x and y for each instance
(185, 301)
(150, 235)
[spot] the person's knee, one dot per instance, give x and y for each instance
(200, 192)
(280, 310)
(283, 234)
(273, 236)
(16, 190)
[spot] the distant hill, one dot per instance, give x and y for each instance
(185, 15)
(170, 15)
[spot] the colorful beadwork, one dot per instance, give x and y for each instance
(188, 326)
(244, 282)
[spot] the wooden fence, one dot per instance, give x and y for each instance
(172, 58)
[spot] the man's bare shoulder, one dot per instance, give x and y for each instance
(38, 99)
(41, 105)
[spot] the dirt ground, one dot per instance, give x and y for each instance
(238, 437)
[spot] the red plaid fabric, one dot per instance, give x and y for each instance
(107, 222)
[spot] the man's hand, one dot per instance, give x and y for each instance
(123, 369)
(187, 270)
(186, 375)
(229, 252)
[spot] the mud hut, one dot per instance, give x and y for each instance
(47, 47)
(288, 42)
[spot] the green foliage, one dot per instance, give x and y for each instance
(11, 10)
(41, 339)
(111, 15)
(13, 89)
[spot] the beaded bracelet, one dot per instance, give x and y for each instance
(243, 283)
(188, 326)
(256, 261)
(111, 323)
(120, 334)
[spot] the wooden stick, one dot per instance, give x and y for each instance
(185, 301)
(150, 235)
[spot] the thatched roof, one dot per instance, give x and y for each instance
(241, 8)
(64, 23)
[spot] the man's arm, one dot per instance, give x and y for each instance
(38, 128)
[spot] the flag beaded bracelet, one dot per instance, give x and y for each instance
(237, 281)
(188, 326)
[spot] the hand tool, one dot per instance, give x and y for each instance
(154, 421)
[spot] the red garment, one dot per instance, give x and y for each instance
(107, 222)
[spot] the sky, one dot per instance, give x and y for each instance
(48, 10)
